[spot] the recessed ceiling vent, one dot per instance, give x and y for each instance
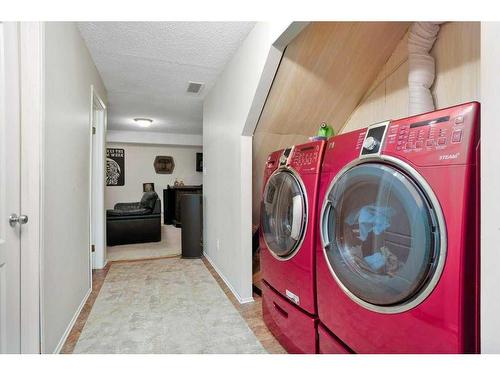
(194, 87)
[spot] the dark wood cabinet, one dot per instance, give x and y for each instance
(172, 202)
(192, 225)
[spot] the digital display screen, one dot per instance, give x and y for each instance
(429, 122)
(307, 148)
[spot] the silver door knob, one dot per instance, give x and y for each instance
(14, 219)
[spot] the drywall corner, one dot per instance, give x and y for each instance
(230, 110)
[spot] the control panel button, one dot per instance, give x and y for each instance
(370, 143)
(419, 144)
(408, 146)
(459, 119)
(430, 142)
(456, 136)
(441, 141)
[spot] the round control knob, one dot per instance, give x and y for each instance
(370, 143)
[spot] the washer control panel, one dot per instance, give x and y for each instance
(437, 134)
(441, 137)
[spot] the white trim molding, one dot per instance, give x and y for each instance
(269, 72)
(490, 185)
(246, 143)
(226, 281)
(97, 181)
(32, 65)
(154, 138)
(72, 322)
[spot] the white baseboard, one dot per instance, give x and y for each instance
(97, 266)
(60, 345)
(226, 281)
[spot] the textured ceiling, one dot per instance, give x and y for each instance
(146, 67)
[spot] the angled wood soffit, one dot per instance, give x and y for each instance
(325, 73)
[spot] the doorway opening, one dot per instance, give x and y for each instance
(97, 181)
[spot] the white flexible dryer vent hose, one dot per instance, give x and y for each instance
(421, 74)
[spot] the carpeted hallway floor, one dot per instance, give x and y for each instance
(170, 245)
(164, 306)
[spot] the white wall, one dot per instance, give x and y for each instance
(227, 158)
(490, 186)
(139, 169)
(69, 72)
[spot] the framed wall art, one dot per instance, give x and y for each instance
(148, 186)
(115, 167)
(199, 162)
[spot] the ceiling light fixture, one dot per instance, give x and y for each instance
(143, 122)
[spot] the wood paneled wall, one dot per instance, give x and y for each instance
(457, 55)
(324, 74)
(352, 74)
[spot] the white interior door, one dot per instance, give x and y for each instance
(10, 230)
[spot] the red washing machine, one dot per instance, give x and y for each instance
(287, 242)
(398, 251)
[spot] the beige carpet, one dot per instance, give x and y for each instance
(170, 245)
(164, 306)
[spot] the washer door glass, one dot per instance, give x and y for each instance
(283, 213)
(380, 234)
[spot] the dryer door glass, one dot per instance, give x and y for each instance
(283, 213)
(380, 234)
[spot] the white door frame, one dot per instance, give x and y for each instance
(490, 185)
(98, 119)
(32, 63)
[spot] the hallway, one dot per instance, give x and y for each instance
(168, 305)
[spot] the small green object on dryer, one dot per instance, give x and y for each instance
(325, 130)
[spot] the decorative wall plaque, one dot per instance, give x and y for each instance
(164, 164)
(115, 167)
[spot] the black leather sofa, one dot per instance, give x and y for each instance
(136, 222)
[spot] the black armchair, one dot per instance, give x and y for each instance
(136, 222)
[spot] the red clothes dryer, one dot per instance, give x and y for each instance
(398, 251)
(287, 242)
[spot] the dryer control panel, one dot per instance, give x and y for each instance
(272, 163)
(306, 158)
(441, 137)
